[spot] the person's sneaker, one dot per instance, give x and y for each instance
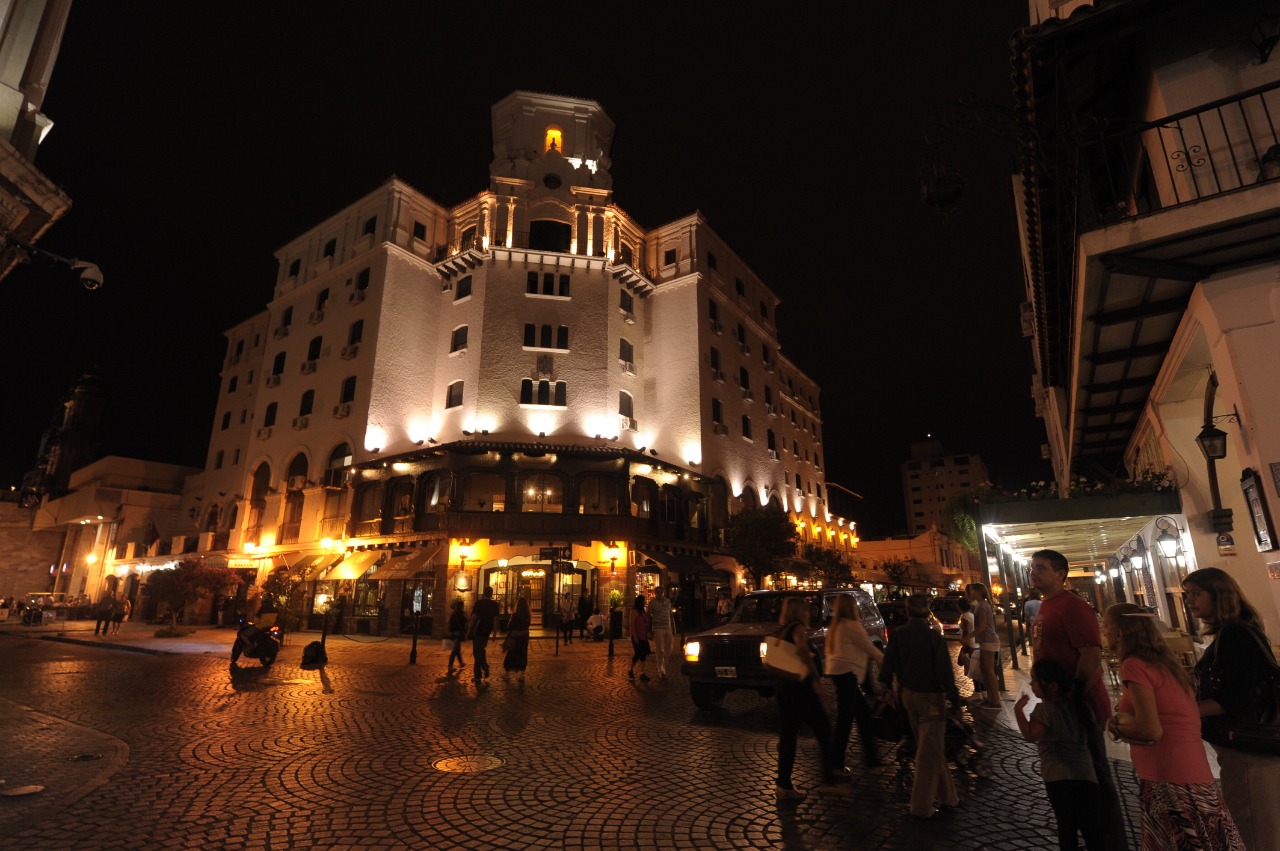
(784, 794)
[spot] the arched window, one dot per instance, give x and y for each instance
(297, 468)
(484, 492)
(348, 393)
(313, 348)
(598, 495)
(458, 341)
(261, 481)
(307, 404)
(626, 407)
(554, 140)
(541, 493)
(269, 417)
(277, 366)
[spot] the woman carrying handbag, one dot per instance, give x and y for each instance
(848, 653)
(1234, 675)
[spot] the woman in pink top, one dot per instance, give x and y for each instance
(1182, 806)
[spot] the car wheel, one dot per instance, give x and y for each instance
(707, 695)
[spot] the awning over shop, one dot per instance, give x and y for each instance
(405, 564)
(354, 565)
(695, 567)
(308, 566)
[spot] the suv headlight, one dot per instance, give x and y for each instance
(764, 650)
(691, 651)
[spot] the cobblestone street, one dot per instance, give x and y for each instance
(147, 750)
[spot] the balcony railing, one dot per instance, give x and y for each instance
(1200, 153)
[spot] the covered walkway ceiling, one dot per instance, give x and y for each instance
(1087, 531)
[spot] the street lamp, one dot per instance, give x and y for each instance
(89, 274)
(1167, 541)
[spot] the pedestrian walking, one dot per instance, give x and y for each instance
(106, 607)
(567, 611)
(585, 608)
(638, 627)
(1235, 662)
(480, 627)
(984, 634)
(516, 644)
(799, 703)
(457, 632)
(119, 613)
(1060, 728)
(968, 657)
(849, 652)
(662, 623)
(724, 606)
(1066, 631)
(1182, 805)
(917, 657)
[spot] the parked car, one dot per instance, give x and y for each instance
(947, 611)
(894, 613)
(728, 656)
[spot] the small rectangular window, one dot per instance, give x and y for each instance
(362, 280)
(530, 335)
(294, 268)
(330, 248)
(711, 260)
(669, 257)
(562, 337)
(231, 385)
(370, 225)
(226, 421)
(235, 457)
(217, 461)
(746, 426)
(564, 286)
(356, 334)
(626, 302)
(462, 289)
(531, 284)
(459, 340)
(739, 286)
(419, 230)
(453, 396)
(544, 339)
(548, 283)
(717, 412)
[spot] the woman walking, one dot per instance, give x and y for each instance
(517, 641)
(984, 633)
(1182, 805)
(798, 703)
(848, 652)
(639, 629)
(457, 632)
(1239, 657)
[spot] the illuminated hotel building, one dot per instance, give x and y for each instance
(527, 389)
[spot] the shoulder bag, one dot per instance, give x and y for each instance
(783, 659)
(1259, 732)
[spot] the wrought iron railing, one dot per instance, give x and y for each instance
(1215, 148)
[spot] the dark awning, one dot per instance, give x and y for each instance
(687, 567)
(405, 564)
(308, 565)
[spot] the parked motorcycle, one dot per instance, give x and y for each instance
(256, 642)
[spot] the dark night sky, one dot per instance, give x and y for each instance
(194, 139)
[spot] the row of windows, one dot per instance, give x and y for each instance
(306, 405)
(331, 247)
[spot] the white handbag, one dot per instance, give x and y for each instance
(783, 659)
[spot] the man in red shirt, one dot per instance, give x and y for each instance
(1066, 631)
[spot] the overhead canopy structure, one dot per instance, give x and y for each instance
(1087, 531)
(694, 567)
(354, 565)
(405, 565)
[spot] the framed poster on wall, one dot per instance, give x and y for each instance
(1263, 535)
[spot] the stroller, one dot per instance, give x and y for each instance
(963, 748)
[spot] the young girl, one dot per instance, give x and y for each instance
(1060, 727)
(1182, 806)
(984, 633)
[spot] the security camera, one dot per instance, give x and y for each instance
(90, 274)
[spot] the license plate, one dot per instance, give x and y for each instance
(730, 672)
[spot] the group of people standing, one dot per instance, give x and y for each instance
(112, 610)
(652, 627)
(1161, 714)
(479, 627)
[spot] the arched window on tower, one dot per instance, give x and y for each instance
(554, 139)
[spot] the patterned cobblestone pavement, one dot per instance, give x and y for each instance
(158, 751)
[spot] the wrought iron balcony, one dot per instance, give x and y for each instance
(1221, 146)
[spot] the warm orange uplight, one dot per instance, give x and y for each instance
(555, 139)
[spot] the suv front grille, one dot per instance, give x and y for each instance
(738, 653)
